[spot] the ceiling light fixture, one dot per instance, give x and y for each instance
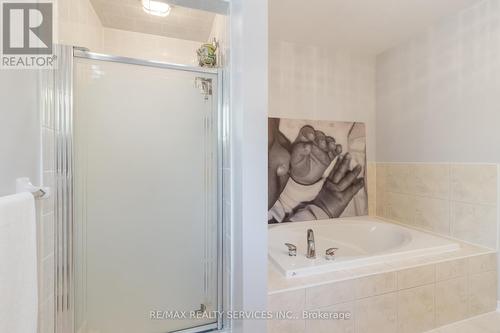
(157, 8)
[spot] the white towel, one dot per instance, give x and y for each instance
(18, 264)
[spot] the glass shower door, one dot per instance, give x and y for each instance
(146, 198)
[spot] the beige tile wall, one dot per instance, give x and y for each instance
(320, 83)
(371, 183)
(146, 46)
(409, 300)
(457, 200)
(78, 24)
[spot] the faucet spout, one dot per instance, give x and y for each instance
(311, 246)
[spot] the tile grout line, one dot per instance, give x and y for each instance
(450, 209)
(459, 322)
(409, 194)
(498, 208)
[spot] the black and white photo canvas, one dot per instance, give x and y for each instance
(316, 170)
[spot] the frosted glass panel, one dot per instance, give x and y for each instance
(145, 197)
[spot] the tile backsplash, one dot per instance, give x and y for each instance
(457, 200)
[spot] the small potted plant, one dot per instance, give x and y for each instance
(207, 54)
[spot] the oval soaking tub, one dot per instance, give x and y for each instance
(360, 241)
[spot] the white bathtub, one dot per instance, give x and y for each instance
(361, 241)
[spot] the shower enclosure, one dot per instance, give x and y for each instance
(138, 191)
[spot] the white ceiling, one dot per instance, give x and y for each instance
(182, 23)
(369, 26)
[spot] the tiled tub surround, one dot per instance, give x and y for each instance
(413, 295)
(457, 200)
(486, 323)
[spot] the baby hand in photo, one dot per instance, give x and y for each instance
(340, 187)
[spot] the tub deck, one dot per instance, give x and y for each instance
(361, 241)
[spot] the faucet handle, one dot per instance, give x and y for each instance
(330, 253)
(292, 249)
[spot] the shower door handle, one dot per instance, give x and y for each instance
(201, 310)
(205, 86)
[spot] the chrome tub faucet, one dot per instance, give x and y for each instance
(311, 246)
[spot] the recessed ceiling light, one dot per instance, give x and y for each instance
(157, 8)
